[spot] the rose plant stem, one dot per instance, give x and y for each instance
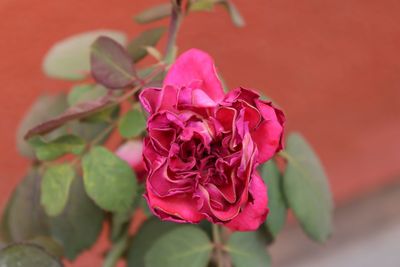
(218, 245)
(174, 25)
(116, 252)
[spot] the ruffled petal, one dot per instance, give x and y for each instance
(244, 94)
(269, 134)
(150, 99)
(180, 208)
(226, 116)
(212, 204)
(162, 185)
(255, 212)
(196, 65)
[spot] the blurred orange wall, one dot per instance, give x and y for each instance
(334, 66)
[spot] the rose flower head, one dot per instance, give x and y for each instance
(203, 147)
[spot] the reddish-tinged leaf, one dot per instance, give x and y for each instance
(76, 112)
(111, 64)
(68, 59)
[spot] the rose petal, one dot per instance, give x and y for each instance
(251, 115)
(189, 97)
(180, 208)
(226, 116)
(247, 95)
(162, 185)
(268, 139)
(150, 99)
(254, 213)
(268, 111)
(151, 156)
(169, 98)
(216, 215)
(196, 65)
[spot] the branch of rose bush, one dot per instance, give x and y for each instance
(218, 246)
(116, 252)
(43, 165)
(174, 25)
(89, 108)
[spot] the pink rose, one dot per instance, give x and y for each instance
(203, 147)
(132, 152)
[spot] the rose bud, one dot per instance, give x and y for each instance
(131, 152)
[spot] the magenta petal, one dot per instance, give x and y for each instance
(201, 99)
(150, 99)
(244, 94)
(268, 112)
(169, 98)
(251, 115)
(254, 213)
(226, 117)
(230, 211)
(189, 97)
(151, 156)
(268, 139)
(196, 65)
(174, 208)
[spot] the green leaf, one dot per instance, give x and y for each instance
(307, 189)
(154, 13)
(276, 200)
(181, 247)
(147, 235)
(111, 64)
(56, 182)
(44, 108)
(56, 148)
(154, 52)
(109, 180)
(5, 234)
(26, 255)
(79, 225)
(145, 207)
(26, 217)
(69, 58)
(202, 5)
(85, 92)
(248, 249)
(105, 115)
(136, 48)
(77, 92)
(48, 244)
(236, 17)
(132, 124)
(88, 130)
